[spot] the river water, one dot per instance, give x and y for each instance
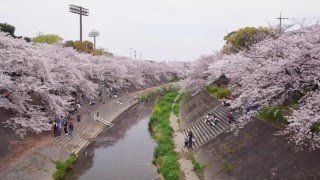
(123, 152)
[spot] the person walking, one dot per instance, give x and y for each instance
(65, 127)
(8, 95)
(70, 127)
(59, 126)
(215, 120)
(231, 118)
(55, 129)
(186, 141)
(190, 138)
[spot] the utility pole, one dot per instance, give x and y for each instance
(135, 55)
(82, 12)
(280, 23)
(130, 53)
(140, 56)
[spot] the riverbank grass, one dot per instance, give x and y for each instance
(155, 93)
(165, 158)
(197, 168)
(63, 167)
(176, 106)
(219, 92)
(275, 114)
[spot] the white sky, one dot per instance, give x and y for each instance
(160, 29)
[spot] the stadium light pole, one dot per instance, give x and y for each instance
(82, 12)
(94, 34)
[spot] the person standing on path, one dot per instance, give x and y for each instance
(70, 127)
(190, 138)
(231, 118)
(65, 125)
(59, 126)
(55, 129)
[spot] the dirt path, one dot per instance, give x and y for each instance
(178, 138)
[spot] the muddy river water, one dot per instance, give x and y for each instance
(123, 152)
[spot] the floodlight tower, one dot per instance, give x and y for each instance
(82, 12)
(94, 34)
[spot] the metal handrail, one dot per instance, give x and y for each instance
(95, 117)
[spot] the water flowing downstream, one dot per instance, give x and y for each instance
(122, 152)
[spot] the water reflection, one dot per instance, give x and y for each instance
(122, 152)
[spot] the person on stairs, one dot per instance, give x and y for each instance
(190, 139)
(55, 129)
(65, 127)
(70, 127)
(231, 117)
(215, 120)
(225, 104)
(186, 140)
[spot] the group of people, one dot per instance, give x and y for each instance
(64, 123)
(211, 120)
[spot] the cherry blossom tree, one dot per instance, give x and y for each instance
(270, 73)
(42, 79)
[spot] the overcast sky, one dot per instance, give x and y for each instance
(160, 29)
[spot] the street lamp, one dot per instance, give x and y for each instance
(82, 12)
(94, 34)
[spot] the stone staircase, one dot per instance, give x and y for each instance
(86, 130)
(204, 132)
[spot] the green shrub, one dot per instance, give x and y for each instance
(59, 174)
(219, 92)
(170, 167)
(273, 114)
(155, 93)
(315, 128)
(176, 109)
(176, 106)
(165, 157)
(62, 168)
(197, 167)
(226, 166)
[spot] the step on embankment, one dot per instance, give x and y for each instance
(88, 129)
(204, 132)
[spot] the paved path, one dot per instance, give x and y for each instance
(40, 163)
(86, 130)
(203, 132)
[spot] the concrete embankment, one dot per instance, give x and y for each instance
(255, 153)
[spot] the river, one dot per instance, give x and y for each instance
(123, 152)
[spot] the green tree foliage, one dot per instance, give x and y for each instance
(87, 47)
(47, 38)
(245, 37)
(315, 128)
(4, 27)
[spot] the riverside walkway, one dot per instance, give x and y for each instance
(40, 162)
(86, 130)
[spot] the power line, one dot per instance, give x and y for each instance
(280, 23)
